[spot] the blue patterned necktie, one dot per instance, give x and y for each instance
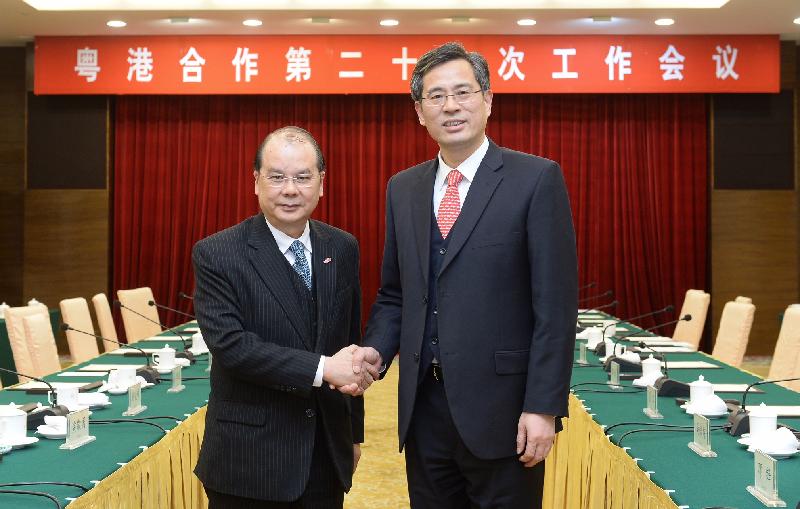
(301, 263)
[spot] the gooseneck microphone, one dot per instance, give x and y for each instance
(611, 305)
(185, 296)
(609, 293)
(185, 354)
(740, 419)
(627, 366)
(36, 417)
(587, 286)
(601, 348)
(149, 373)
(162, 306)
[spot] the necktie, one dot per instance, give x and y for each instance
(301, 263)
(450, 205)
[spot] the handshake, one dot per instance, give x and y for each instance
(352, 369)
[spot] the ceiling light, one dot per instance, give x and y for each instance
(389, 22)
(116, 23)
(460, 19)
(526, 22)
(665, 22)
(180, 21)
(321, 20)
(797, 21)
(252, 22)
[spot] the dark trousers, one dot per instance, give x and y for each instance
(323, 491)
(443, 474)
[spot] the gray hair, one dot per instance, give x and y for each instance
(443, 54)
(291, 133)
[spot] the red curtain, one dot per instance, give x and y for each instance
(635, 166)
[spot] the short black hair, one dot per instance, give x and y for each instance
(443, 54)
(291, 133)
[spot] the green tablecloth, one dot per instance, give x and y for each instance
(116, 443)
(697, 482)
(7, 358)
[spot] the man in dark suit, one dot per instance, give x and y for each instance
(278, 301)
(478, 297)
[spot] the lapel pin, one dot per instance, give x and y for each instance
(326, 260)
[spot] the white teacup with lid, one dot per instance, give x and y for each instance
(164, 359)
(651, 371)
(595, 336)
(702, 399)
(13, 424)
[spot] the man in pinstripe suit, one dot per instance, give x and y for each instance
(278, 301)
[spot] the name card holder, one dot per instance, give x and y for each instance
(582, 353)
(651, 410)
(135, 406)
(702, 439)
(613, 380)
(77, 430)
(765, 488)
(177, 380)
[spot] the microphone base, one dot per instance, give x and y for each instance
(624, 366)
(671, 388)
(36, 417)
(186, 354)
(149, 374)
(739, 422)
(600, 349)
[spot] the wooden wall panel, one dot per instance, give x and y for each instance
(12, 172)
(754, 252)
(66, 245)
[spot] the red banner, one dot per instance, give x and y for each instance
(315, 64)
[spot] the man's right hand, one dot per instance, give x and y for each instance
(365, 362)
(338, 370)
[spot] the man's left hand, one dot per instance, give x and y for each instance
(535, 435)
(356, 456)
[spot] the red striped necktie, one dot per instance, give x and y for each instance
(450, 206)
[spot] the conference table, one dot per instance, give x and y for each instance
(656, 470)
(133, 465)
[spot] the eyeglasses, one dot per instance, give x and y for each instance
(461, 97)
(278, 181)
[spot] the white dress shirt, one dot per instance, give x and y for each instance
(468, 168)
(284, 243)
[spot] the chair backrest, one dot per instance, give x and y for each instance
(75, 312)
(16, 335)
(105, 321)
(734, 332)
(743, 300)
(41, 344)
(786, 359)
(696, 304)
(136, 327)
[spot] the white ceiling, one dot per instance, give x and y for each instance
(20, 22)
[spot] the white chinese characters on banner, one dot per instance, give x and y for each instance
(298, 64)
(88, 64)
(404, 61)
(510, 65)
(726, 60)
(565, 73)
(248, 61)
(140, 64)
(192, 64)
(619, 59)
(350, 55)
(671, 64)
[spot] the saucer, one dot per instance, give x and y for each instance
(689, 411)
(51, 432)
(165, 370)
(19, 443)
(745, 441)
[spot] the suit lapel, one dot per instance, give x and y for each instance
(421, 213)
(323, 262)
(481, 190)
(270, 265)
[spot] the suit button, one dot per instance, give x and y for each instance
(425, 299)
(442, 251)
(435, 311)
(416, 357)
(309, 413)
(435, 341)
